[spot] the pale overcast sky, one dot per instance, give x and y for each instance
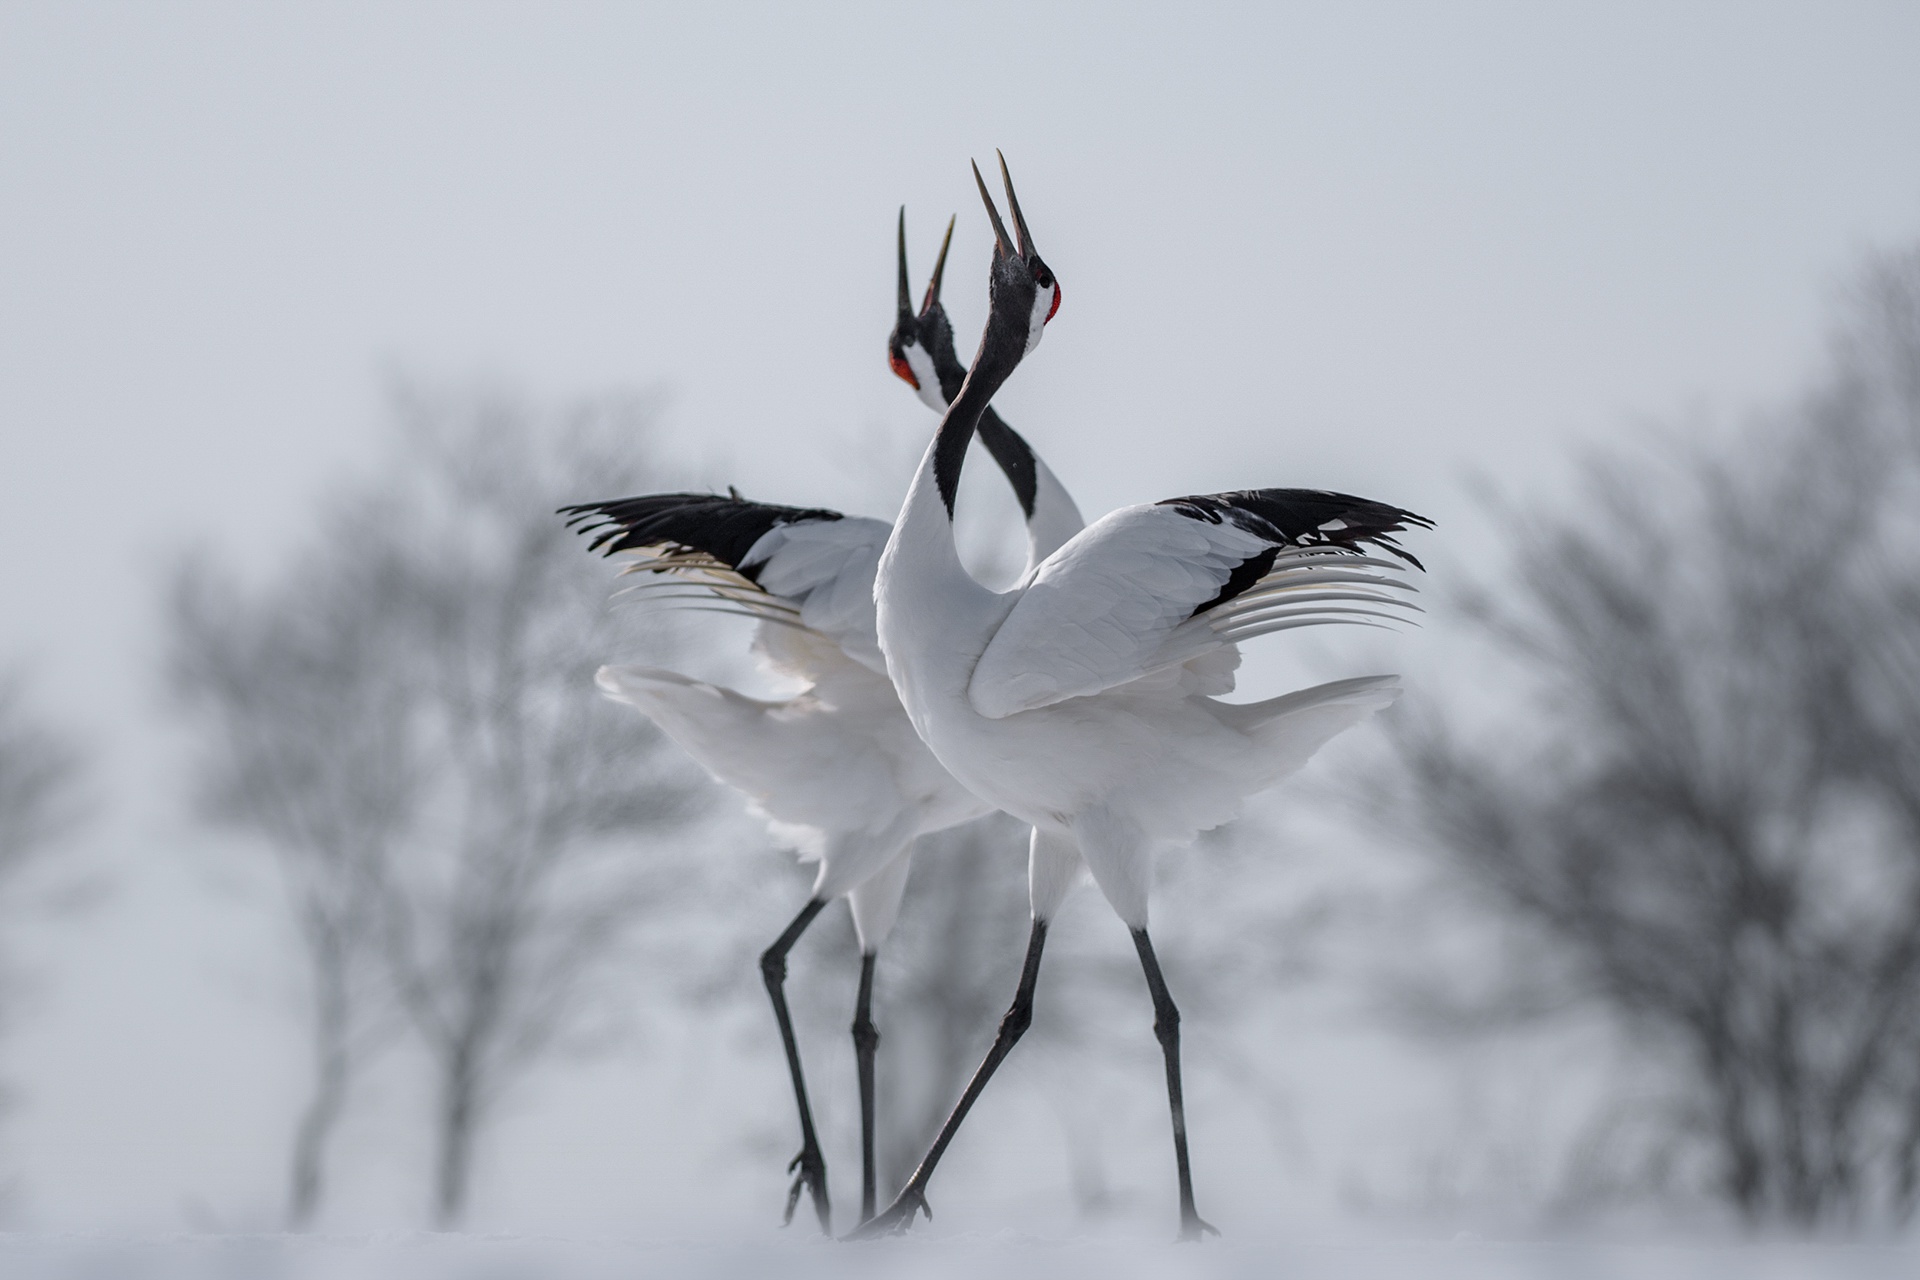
(1361, 246)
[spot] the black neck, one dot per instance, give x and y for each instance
(1015, 456)
(999, 355)
(1003, 442)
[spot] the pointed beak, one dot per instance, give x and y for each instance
(1013, 206)
(1003, 246)
(939, 269)
(906, 290)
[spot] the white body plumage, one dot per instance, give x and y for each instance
(838, 770)
(1079, 701)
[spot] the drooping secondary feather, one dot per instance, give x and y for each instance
(724, 528)
(804, 567)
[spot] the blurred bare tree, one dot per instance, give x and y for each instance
(301, 697)
(41, 798)
(40, 772)
(1702, 798)
(467, 831)
(537, 846)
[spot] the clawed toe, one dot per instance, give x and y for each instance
(895, 1219)
(809, 1176)
(1195, 1229)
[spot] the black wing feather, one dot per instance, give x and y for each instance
(725, 528)
(1298, 518)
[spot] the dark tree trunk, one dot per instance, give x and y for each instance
(459, 1115)
(332, 1073)
(307, 1181)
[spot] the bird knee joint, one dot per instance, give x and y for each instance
(865, 1034)
(1015, 1024)
(773, 967)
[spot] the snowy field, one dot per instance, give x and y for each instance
(1007, 1257)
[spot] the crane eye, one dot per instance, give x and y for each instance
(1041, 275)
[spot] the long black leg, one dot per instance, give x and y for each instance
(866, 1038)
(1019, 1016)
(811, 1166)
(1166, 1029)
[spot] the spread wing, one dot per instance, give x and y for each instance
(1149, 588)
(796, 569)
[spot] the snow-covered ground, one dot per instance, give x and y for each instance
(1006, 1257)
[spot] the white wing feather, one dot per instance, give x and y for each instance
(809, 583)
(826, 568)
(1099, 609)
(1116, 605)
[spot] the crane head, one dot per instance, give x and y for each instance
(1019, 276)
(920, 349)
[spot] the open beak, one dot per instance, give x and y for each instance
(939, 268)
(1002, 245)
(1013, 206)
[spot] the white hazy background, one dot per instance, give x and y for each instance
(1376, 248)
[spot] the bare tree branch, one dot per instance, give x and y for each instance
(535, 847)
(1710, 813)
